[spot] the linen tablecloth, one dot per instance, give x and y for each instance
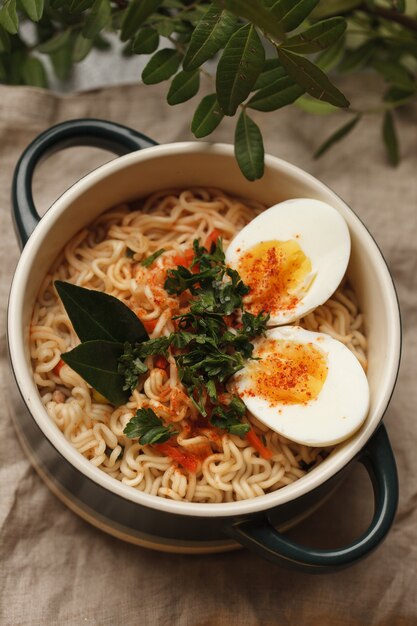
(55, 568)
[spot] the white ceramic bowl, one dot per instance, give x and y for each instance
(136, 175)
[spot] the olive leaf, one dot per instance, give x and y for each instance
(395, 74)
(161, 66)
(271, 71)
(317, 37)
(207, 117)
(183, 87)
(77, 6)
(330, 58)
(97, 362)
(34, 8)
(249, 149)
(256, 13)
(8, 17)
(276, 95)
(33, 72)
(238, 68)
(211, 33)
(137, 13)
(390, 139)
(317, 107)
(97, 19)
(290, 13)
(327, 8)
(4, 41)
(61, 59)
(97, 315)
(309, 76)
(82, 47)
(146, 41)
(337, 136)
(56, 42)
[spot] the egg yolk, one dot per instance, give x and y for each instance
(278, 274)
(287, 372)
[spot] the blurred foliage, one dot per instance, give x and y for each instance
(268, 54)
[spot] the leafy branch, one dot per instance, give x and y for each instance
(267, 54)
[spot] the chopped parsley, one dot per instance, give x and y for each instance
(130, 367)
(207, 349)
(152, 257)
(148, 427)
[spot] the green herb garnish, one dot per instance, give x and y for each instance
(130, 367)
(152, 257)
(148, 427)
(211, 351)
(230, 418)
(207, 349)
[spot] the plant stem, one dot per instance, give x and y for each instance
(389, 14)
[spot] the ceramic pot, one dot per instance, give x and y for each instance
(161, 523)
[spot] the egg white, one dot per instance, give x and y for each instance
(323, 236)
(339, 409)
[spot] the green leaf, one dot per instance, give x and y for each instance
(97, 19)
(33, 72)
(55, 43)
(136, 14)
(272, 71)
(256, 13)
(238, 68)
(395, 74)
(397, 94)
(161, 66)
(358, 57)
(290, 13)
(330, 58)
(278, 94)
(211, 33)
(3, 73)
(34, 8)
(152, 257)
(61, 60)
(317, 37)
(399, 5)
(77, 6)
(81, 49)
(8, 17)
(309, 76)
(249, 148)
(390, 138)
(4, 41)
(316, 107)
(327, 8)
(97, 362)
(184, 86)
(97, 315)
(207, 117)
(145, 42)
(165, 28)
(337, 136)
(148, 427)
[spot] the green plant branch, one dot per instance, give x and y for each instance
(388, 14)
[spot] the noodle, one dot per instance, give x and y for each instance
(96, 258)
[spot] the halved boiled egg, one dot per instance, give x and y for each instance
(293, 257)
(304, 385)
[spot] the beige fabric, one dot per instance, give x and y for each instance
(56, 569)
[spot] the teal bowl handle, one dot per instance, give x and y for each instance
(82, 132)
(262, 538)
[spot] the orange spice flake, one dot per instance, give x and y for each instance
(275, 271)
(288, 372)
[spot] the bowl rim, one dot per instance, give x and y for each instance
(24, 379)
